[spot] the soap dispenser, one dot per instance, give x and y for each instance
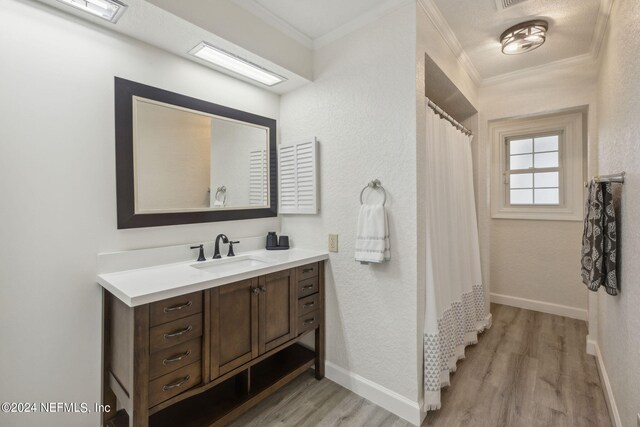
(272, 240)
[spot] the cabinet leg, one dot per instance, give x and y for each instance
(108, 400)
(319, 366)
(108, 397)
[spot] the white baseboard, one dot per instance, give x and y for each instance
(592, 346)
(541, 306)
(381, 396)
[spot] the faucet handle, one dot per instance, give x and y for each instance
(231, 253)
(201, 254)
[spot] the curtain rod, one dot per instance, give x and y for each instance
(439, 111)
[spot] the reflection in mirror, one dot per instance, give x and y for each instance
(187, 160)
(183, 160)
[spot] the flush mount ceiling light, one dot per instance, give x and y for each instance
(524, 37)
(109, 10)
(234, 63)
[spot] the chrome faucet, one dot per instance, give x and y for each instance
(216, 252)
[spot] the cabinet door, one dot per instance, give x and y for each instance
(234, 326)
(277, 309)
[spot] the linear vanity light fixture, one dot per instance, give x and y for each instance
(109, 10)
(524, 37)
(234, 63)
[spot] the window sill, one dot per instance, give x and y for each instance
(537, 214)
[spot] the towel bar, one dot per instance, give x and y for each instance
(374, 185)
(617, 177)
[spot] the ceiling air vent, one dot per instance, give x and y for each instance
(503, 4)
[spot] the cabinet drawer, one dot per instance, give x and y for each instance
(308, 304)
(307, 271)
(307, 287)
(174, 383)
(174, 333)
(308, 321)
(175, 308)
(175, 357)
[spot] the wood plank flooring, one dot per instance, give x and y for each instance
(530, 369)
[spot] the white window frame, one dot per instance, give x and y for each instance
(533, 170)
(569, 127)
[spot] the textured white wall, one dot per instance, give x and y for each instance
(619, 143)
(58, 208)
(538, 260)
(362, 109)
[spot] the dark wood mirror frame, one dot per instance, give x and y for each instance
(125, 90)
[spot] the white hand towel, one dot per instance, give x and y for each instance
(372, 240)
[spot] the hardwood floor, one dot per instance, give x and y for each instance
(530, 369)
(307, 402)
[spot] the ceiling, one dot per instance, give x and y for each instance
(280, 35)
(315, 18)
(472, 27)
(477, 25)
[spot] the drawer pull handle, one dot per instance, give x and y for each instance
(263, 289)
(176, 358)
(255, 290)
(177, 307)
(176, 384)
(178, 333)
(305, 287)
(309, 321)
(307, 270)
(309, 304)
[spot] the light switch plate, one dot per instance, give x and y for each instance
(638, 420)
(333, 243)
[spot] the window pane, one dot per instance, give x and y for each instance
(522, 161)
(547, 179)
(546, 160)
(519, 146)
(521, 180)
(521, 197)
(548, 197)
(546, 143)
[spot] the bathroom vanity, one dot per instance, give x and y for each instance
(198, 344)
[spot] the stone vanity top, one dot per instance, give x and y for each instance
(150, 284)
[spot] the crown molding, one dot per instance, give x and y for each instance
(586, 59)
(359, 22)
(600, 31)
(275, 21)
(272, 19)
(450, 38)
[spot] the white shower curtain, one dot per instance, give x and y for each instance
(455, 302)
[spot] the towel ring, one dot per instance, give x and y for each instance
(222, 190)
(374, 185)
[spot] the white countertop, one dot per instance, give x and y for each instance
(150, 284)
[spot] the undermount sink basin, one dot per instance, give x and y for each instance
(227, 266)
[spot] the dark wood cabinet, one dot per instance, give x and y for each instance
(234, 326)
(204, 358)
(277, 309)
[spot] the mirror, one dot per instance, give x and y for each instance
(182, 160)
